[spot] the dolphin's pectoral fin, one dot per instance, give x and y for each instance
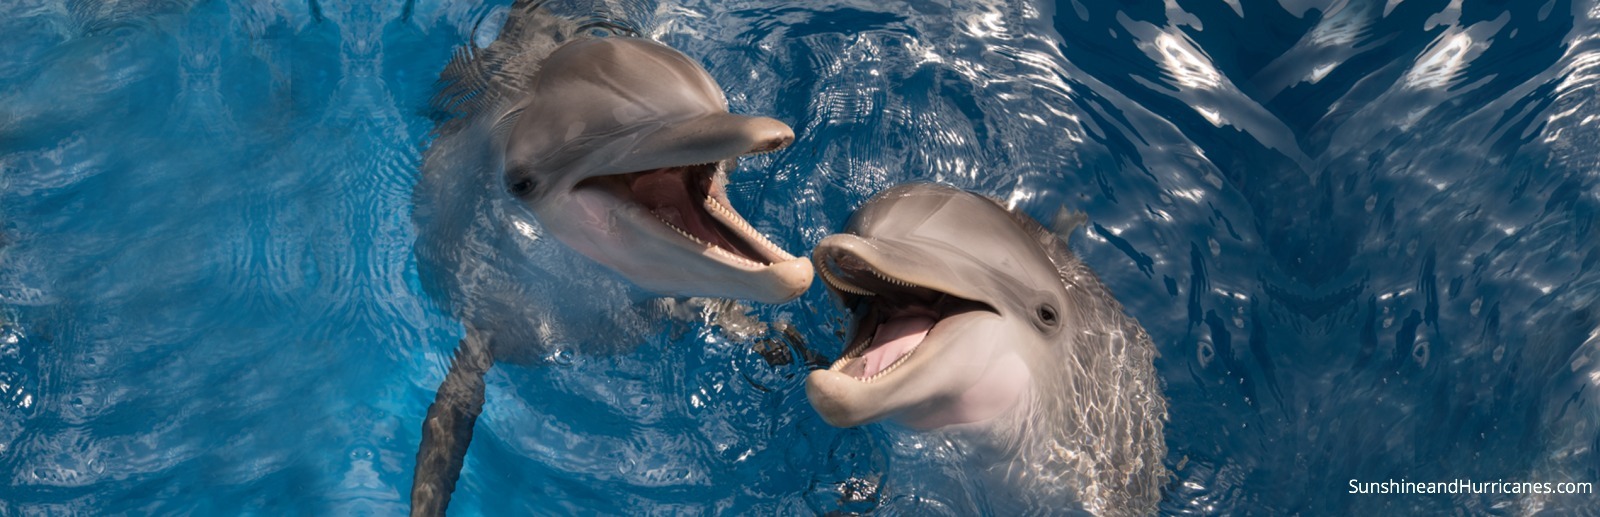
(448, 427)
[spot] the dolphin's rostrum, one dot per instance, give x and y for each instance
(978, 321)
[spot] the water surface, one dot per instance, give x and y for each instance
(1360, 234)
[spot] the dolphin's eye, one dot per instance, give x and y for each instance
(1047, 314)
(522, 187)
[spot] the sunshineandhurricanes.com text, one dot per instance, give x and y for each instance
(1467, 486)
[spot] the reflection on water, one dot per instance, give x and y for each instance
(1360, 233)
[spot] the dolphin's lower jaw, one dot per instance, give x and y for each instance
(909, 354)
(672, 230)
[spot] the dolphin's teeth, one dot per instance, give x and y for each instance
(891, 280)
(894, 365)
(683, 232)
(854, 353)
(830, 279)
(719, 178)
(712, 247)
(736, 258)
(731, 218)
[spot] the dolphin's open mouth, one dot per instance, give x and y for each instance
(692, 200)
(892, 316)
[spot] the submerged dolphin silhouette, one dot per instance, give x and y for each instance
(619, 147)
(976, 320)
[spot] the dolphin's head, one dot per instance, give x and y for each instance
(951, 298)
(621, 150)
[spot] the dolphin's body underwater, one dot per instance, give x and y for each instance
(978, 321)
(618, 147)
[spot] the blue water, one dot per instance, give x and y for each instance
(1361, 234)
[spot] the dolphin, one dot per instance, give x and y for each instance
(973, 320)
(622, 151)
(618, 147)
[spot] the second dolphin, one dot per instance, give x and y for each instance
(977, 321)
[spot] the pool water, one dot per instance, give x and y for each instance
(1360, 233)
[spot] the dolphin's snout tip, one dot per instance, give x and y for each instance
(791, 278)
(769, 135)
(840, 246)
(772, 144)
(830, 398)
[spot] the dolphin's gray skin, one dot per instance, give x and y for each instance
(979, 322)
(616, 146)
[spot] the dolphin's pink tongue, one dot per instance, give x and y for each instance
(895, 338)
